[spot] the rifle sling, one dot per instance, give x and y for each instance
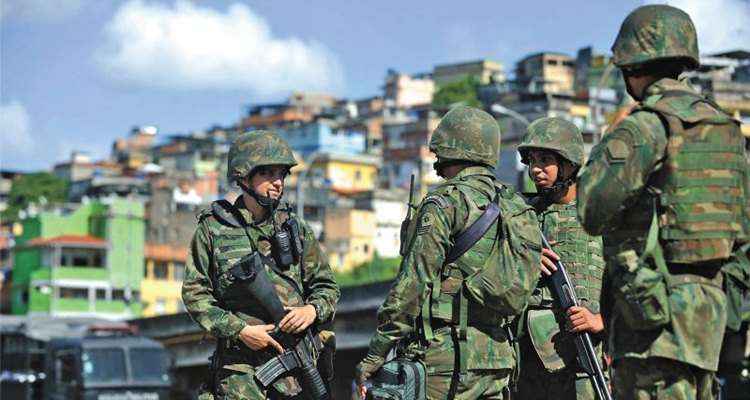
(473, 233)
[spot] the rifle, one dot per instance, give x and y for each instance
(405, 223)
(300, 351)
(565, 293)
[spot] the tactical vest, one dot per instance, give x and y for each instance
(580, 252)
(702, 182)
(233, 239)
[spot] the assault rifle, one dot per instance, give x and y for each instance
(564, 291)
(405, 223)
(300, 351)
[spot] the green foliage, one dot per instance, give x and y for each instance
(34, 188)
(377, 270)
(459, 92)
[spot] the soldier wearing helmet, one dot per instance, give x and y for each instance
(553, 150)
(460, 287)
(667, 188)
(222, 305)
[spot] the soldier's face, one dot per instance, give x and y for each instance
(544, 168)
(636, 84)
(269, 181)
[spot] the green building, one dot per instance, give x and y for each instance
(82, 262)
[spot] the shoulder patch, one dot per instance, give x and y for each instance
(617, 150)
(438, 200)
(425, 224)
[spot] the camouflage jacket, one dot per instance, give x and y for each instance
(222, 306)
(581, 254)
(443, 214)
(613, 201)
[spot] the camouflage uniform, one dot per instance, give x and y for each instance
(548, 353)
(221, 305)
(460, 310)
(665, 187)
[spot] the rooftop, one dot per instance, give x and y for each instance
(165, 252)
(68, 240)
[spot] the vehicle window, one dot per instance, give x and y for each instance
(103, 365)
(149, 364)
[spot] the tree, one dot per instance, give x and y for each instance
(459, 92)
(34, 188)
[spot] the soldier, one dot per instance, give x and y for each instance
(553, 150)
(453, 314)
(665, 187)
(258, 162)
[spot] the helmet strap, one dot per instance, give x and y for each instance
(266, 202)
(560, 188)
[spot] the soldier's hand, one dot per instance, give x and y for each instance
(549, 258)
(256, 337)
(365, 369)
(297, 319)
(583, 320)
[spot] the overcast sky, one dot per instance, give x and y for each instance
(76, 74)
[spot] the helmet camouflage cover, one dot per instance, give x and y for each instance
(467, 134)
(554, 134)
(255, 149)
(656, 32)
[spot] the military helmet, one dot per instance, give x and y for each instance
(467, 134)
(254, 149)
(554, 134)
(656, 32)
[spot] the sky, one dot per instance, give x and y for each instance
(77, 74)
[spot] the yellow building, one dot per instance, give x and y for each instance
(349, 237)
(346, 173)
(161, 287)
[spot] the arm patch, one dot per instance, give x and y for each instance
(438, 200)
(617, 150)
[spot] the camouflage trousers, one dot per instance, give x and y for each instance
(480, 384)
(236, 385)
(662, 379)
(536, 383)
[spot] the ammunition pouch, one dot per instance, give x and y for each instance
(399, 379)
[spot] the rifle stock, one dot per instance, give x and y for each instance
(565, 294)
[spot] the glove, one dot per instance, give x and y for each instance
(367, 367)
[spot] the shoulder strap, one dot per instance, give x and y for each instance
(473, 233)
(226, 213)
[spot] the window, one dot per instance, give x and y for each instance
(161, 270)
(179, 271)
(101, 294)
(149, 364)
(74, 293)
(78, 257)
(366, 248)
(357, 175)
(118, 294)
(103, 365)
